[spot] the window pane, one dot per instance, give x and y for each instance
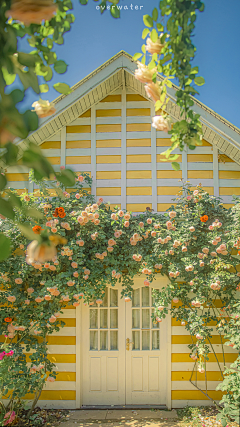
(103, 340)
(103, 319)
(136, 298)
(114, 318)
(105, 298)
(145, 297)
(145, 319)
(145, 340)
(136, 340)
(113, 298)
(153, 300)
(93, 340)
(114, 340)
(155, 325)
(155, 340)
(135, 319)
(93, 319)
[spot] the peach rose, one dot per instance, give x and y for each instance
(126, 224)
(153, 91)
(120, 213)
(11, 298)
(141, 224)
(27, 301)
(159, 123)
(18, 281)
(143, 74)
(154, 47)
(50, 379)
(110, 249)
(43, 108)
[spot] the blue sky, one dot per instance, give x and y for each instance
(95, 38)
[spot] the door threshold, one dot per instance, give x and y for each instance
(111, 407)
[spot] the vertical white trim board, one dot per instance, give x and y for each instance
(93, 150)
(124, 151)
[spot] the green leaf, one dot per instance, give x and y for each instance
(137, 56)
(49, 43)
(62, 88)
(160, 27)
(176, 166)
(115, 12)
(5, 247)
(143, 48)
(15, 200)
(9, 78)
(199, 81)
(27, 59)
(6, 209)
(17, 95)
(27, 232)
(3, 181)
(44, 88)
(145, 32)
(34, 213)
(148, 21)
(83, 2)
(10, 156)
(67, 178)
(60, 67)
(154, 36)
(155, 14)
(31, 120)
(151, 65)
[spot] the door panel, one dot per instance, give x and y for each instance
(103, 351)
(146, 357)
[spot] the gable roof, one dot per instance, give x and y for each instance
(112, 75)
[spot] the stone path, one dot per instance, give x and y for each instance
(122, 417)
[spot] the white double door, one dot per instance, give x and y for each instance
(124, 354)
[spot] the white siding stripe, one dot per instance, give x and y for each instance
(63, 147)
(215, 171)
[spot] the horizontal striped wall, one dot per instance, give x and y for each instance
(183, 392)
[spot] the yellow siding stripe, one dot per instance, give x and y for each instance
(209, 190)
(168, 191)
(86, 114)
(229, 191)
(195, 395)
(138, 112)
(108, 128)
(139, 191)
(178, 323)
(108, 113)
(140, 158)
(185, 376)
(228, 205)
(60, 340)
(17, 176)
(69, 322)
(200, 158)
(138, 207)
(110, 191)
(229, 174)
(184, 357)
(51, 144)
(145, 142)
(113, 205)
(108, 159)
(108, 175)
(164, 142)
(139, 174)
(223, 158)
(72, 160)
(66, 376)
(186, 339)
(205, 143)
(169, 174)
(78, 144)
(200, 174)
(108, 143)
(79, 129)
(161, 207)
(131, 97)
(138, 127)
(112, 98)
(54, 160)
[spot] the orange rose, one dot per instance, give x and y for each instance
(204, 218)
(60, 210)
(61, 214)
(8, 319)
(37, 229)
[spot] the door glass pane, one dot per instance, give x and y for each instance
(93, 340)
(136, 298)
(136, 340)
(114, 340)
(105, 298)
(155, 325)
(93, 319)
(113, 318)
(113, 298)
(103, 318)
(155, 340)
(145, 297)
(103, 340)
(146, 340)
(145, 318)
(135, 319)
(153, 300)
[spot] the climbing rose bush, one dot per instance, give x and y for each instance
(195, 244)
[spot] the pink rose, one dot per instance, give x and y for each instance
(80, 178)
(50, 379)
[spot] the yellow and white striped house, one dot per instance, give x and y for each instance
(104, 128)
